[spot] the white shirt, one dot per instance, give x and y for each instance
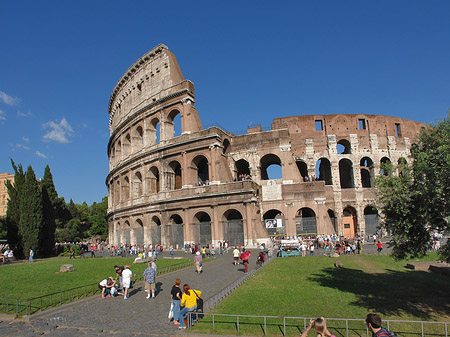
(126, 275)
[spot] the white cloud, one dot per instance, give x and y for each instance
(8, 100)
(60, 132)
(39, 154)
(23, 114)
(26, 139)
(2, 116)
(21, 146)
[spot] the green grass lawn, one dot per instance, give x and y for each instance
(313, 287)
(28, 280)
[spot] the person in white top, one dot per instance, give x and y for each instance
(126, 280)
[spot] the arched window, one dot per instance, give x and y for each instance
(271, 167)
(303, 169)
(154, 180)
(402, 163)
(125, 189)
(385, 167)
(233, 227)
(119, 150)
(200, 163)
(367, 174)
(137, 184)
(138, 138)
(343, 147)
(174, 124)
(202, 228)
(346, 173)
(323, 171)
(139, 232)
(155, 229)
(306, 221)
(176, 232)
(226, 146)
(274, 222)
(243, 169)
(127, 145)
(154, 131)
(117, 192)
(174, 176)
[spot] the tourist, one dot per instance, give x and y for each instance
(176, 295)
(260, 259)
(119, 271)
(171, 250)
(31, 254)
(189, 302)
(236, 254)
(320, 327)
(198, 262)
(373, 322)
(149, 280)
(126, 280)
(379, 247)
(105, 286)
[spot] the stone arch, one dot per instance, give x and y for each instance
(349, 222)
(302, 169)
(155, 230)
(343, 146)
(371, 219)
(125, 193)
(385, 166)
(346, 173)
(119, 150)
(270, 161)
(117, 233)
(174, 127)
(176, 230)
(174, 181)
(127, 232)
(139, 232)
(226, 146)
(367, 172)
(127, 144)
(154, 131)
(242, 168)
(323, 171)
(200, 164)
(137, 184)
(233, 227)
(116, 194)
(402, 163)
(155, 183)
(332, 217)
(274, 222)
(202, 228)
(138, 138)
(305, 221)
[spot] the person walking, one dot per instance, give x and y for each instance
(189, 302)
(198, 261)
(379, 247)
(31, 255)
(236, 254)
(149, 280)
(176, 295)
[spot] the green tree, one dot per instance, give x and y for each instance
(13, 210)
(72, 208)
(31, 216)
(49, 203)
(417, 202)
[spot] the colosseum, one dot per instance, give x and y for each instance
(209, 185)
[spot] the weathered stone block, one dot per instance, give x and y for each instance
(338, 264)
(66, 267)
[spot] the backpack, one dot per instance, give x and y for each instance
(388, 334)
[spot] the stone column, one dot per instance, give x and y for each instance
(132, 236)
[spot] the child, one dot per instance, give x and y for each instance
(320, 326)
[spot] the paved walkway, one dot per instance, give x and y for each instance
(136, 316)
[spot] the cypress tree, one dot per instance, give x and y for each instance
(31, 217)
(49, 204)
(13, 211)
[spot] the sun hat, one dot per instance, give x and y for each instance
(198, 253)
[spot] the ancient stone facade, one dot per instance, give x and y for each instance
(209, 185)
(4, 177)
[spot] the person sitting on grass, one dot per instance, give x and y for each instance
(320, 327)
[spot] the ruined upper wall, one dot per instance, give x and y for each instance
(152, 77)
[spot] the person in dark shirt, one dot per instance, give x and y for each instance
(176, 295)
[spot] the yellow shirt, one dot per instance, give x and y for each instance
(190, 300)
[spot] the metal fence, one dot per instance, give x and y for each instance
(30, 306)
(289, 326)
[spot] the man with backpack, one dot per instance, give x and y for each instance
(373, 322)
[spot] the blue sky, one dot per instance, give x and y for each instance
(251, 61)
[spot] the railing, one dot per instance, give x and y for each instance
(289, 326)
(30, 306)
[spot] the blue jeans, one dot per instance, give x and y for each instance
(183, 312)
(176, 310)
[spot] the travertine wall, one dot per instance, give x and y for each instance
(186, 188)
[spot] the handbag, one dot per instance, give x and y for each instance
(199, 304)
(171, 312)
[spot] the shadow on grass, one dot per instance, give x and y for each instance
(391, 293)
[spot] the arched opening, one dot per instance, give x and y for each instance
(323, 171)
(343, 147)
(125, 189)
(202, 228)
(305, 221)
(119, 150)
(176, 231)
(117, 192)
(139, 231)
(332, 217)
(385, 167)
(117, 234)
(155, 229)
(127, 231)
(138, 138)
(174, 176)
(367, 174)
(303, 169)
(112, 154)
(271, 167)
(349, 222)
(174, 121)
(226, 146)
(346, 173)
(371, 220)
(200, 164)
(243, 170)
(274, 222)
(127, 145)
(137, 184)
(154, 180)
(154, 131)
(401, 169)
(233, 227)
